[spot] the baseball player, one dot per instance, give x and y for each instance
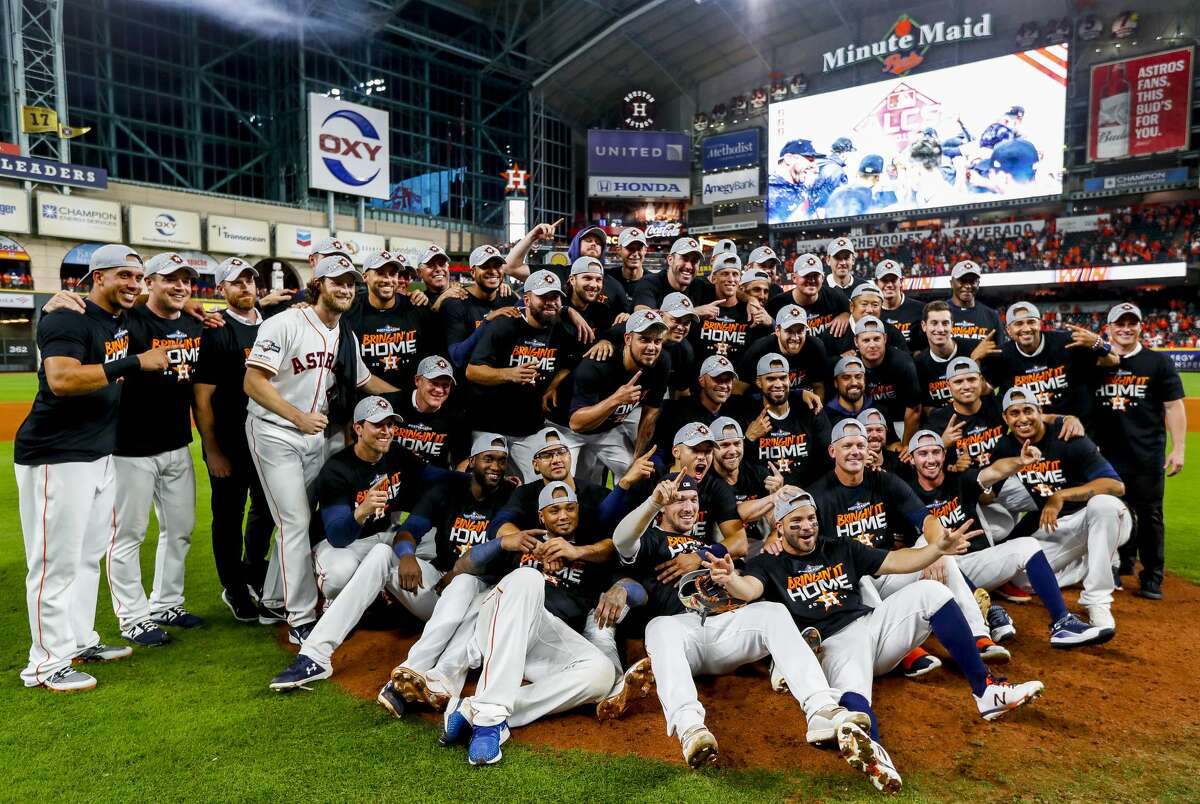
(899, 310)
(300, 366)
(484, 300)
(393, 333)
(756, 286)
(973, 321)
(849, 390)
(680, 277)
(828, 310)
(154, 465)
(516, 367)
(1138, 402)
(679, 314)
(631, 245)
(787, 437)
(866, 301)
(1056, 366)
(817, 577)
(1076, 494)
(952, 495)
(220, 409)
(935, 326)
(434, 272)
(839, 256)
(766, 260)
(681, 644)
(281, 299)
(65, 473)
(806, 357)
(714, 387)
(431, 425)
(550, 579)
(879, 438)
(598, 298)
(358, 552)
(735, 323)
(890, 374)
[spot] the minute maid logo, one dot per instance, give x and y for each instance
(906, 42)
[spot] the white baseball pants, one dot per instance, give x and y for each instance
(591, 453)
(67, 521)
(1083, 547)
(288, 462)
(888, 585)
(875, 643)
(680, 646)
(518, 639)
(443, 651)
(995, 566)
(168, 482)
(998, 517)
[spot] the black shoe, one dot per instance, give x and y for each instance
(1151, 590)
(244, 610)
(268, 615)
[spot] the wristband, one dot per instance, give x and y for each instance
(402, 549)
(1102, 346)
(122, 367)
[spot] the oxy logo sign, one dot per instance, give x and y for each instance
(348, 147)
(165, 224)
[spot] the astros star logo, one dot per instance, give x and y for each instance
(391, 362)
(829, 599)
(1120, 403)
(722, 348)
(784, 465)
(183, 372)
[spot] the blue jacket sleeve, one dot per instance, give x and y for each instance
(418, 526)
(460, 352)
(502, 516)
(613, 507)
(341, 529)
(483, 554)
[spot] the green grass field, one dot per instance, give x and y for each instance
(195, 720)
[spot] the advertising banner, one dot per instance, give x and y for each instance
(638, 187)
(46, 171)
(1136, 181)
(239, 236)
(348, 148)
(1080, 223)
(295, 242)
(733, 150)
(78, 218)
(1184, 359)
(362, 245)
(1140, 106)
(639, 153)
(168, 228)
(730, 185)
(1060, 276)
(14, 210)
(996, 230)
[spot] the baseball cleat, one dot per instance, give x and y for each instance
(270, 615)
(778, 682)
(984, 601)
(638, 681)
(177, 617)
(1072, 632)
(391, 700)
(868, 757)
(1101, 614)
(299, 673)
(145, 635)
(243, 612)
(918, 663)
(1000, 624)
(103, 653)
(812, 637)
(1000, 696)
(699, 746)
(823, 724)
(69, 679)
(298, 633)
(456, 728)
(990, 652)
(485, 744)
(1012, 593)
(415, 689)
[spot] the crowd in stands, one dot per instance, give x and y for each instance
(15, 279)
(1175, 325)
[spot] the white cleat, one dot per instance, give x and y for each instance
(824, 723)
(699, 746)
(1000, 697)
(1100, 615)
(636, 684)
(868, 757)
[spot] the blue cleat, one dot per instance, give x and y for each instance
(486, 742)
(1072, 632)
(297, 634)
(456, 729)
(391, 699)
(300, 672)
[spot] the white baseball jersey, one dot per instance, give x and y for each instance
(298, 351)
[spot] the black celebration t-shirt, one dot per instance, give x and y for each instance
(881, 511)
(931, 377)
(954, 501)
(1064, 464)
(393, 340)
(222, 364)
(346, 478)
(460, 518)
(982, 430)
(828, 306)
(796, 443)
(653, 288)
(728, 334)
(970, 325)
(461, 317)
(593, 381)
(1128, 418)
(654, 547)
(439, 437)
(805, 368)
(1058, 376)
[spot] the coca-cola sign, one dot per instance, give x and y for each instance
(664, 229)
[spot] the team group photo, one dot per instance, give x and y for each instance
(439, 400)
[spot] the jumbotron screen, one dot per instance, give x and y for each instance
(985, 131)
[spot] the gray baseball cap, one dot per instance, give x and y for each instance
(542, 282)
(587, 265)
(849, 365)
(630, 235)
(382, 258)
(726, 245)
(678, 305)
(643, 320)
(888, 268)
(808, 264)
(374, 409)
(556, 493)
(114, 255)
(726, 261)
(722, 425)
(869, 323)
(717, 365)
(925, 438)
(762, 255)
(964, 267)
(434, 252)
(1020, 311)
(790, 503)
(771, 363)
(791, 315)
(847, 428)
(548, 438)
(482, 255)
(488, 442)
(233, 267)
(1018, 395)
(686, 245)
(168, 263)
(753, 275)
(693, 434)
(961, 365)
(329, 247)
(435, 366)
(335, 266)
(1124, 308)
(839, 244)
(865, 288)
(867, 415)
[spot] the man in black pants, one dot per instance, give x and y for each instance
(1138, 402)
(221, 419)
